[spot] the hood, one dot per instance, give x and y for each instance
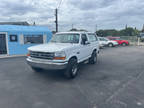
(51, 47)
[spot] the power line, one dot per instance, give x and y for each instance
(59, 4)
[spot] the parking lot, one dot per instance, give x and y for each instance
(116, 81)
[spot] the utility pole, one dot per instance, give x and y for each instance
(72, 26)
(34, 23)
(56, 21)
(126, 26)
(96, 28)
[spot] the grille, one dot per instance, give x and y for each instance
(42, 55)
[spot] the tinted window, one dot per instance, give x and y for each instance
(33, 39)
(103, 39)
(84, 38)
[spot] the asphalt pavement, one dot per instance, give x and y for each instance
(116, 81)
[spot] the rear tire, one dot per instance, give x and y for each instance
(93, 58)
(124, 44)
(72, 69)
(110, 45)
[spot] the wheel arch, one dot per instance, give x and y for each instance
(73, 57)
(94, 50)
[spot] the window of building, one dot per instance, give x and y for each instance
(13, 38)
(33, 39)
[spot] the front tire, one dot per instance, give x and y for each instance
(93, 58)
(72, 69)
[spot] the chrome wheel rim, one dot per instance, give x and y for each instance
(124, 44)
(110, 45)
(95, 58)
(74, 70)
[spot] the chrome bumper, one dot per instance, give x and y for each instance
(39, 63)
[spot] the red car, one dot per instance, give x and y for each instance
(119, 41)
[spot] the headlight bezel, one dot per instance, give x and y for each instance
(59, 55)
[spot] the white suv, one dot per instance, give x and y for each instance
(65, 51)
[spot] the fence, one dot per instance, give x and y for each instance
(132, 39)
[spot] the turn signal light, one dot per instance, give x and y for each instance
(59, 58)
(28, 54)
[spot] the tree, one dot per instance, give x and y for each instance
(73, 29)
(104, 33)
(129, 31)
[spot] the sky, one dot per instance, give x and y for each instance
(82, 14)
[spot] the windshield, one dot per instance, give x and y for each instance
(106, 39)
(103, 39)
(65, 38)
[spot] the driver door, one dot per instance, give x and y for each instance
(84, 50)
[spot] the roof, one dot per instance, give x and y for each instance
(71, 32)
(18, 28)
(14, 23)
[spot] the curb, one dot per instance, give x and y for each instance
(11, 56)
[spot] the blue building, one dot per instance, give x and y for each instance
(14, 39)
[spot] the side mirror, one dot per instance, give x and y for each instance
(86, 42)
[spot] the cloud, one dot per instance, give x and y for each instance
(15, 7)
(109, 14)
(106, 14)
(91, 4)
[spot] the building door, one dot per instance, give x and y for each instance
(3, 47)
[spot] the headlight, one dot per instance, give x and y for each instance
(60, 55)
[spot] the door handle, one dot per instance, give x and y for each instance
(78, 52)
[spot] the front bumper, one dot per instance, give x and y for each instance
(44, 64)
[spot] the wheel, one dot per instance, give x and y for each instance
(93, 58)
(36, 69)
(110, 45)
(124, 44)
(72, 68)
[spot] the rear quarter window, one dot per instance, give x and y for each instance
(92, 37)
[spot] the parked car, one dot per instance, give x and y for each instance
(106, 42)
(120, 41)
(102, 42)
(65, 51)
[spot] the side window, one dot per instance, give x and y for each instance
(105, 39)
(13, 38)
(33, 39)
(92, 37)
(84, 38)
(101, 39)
